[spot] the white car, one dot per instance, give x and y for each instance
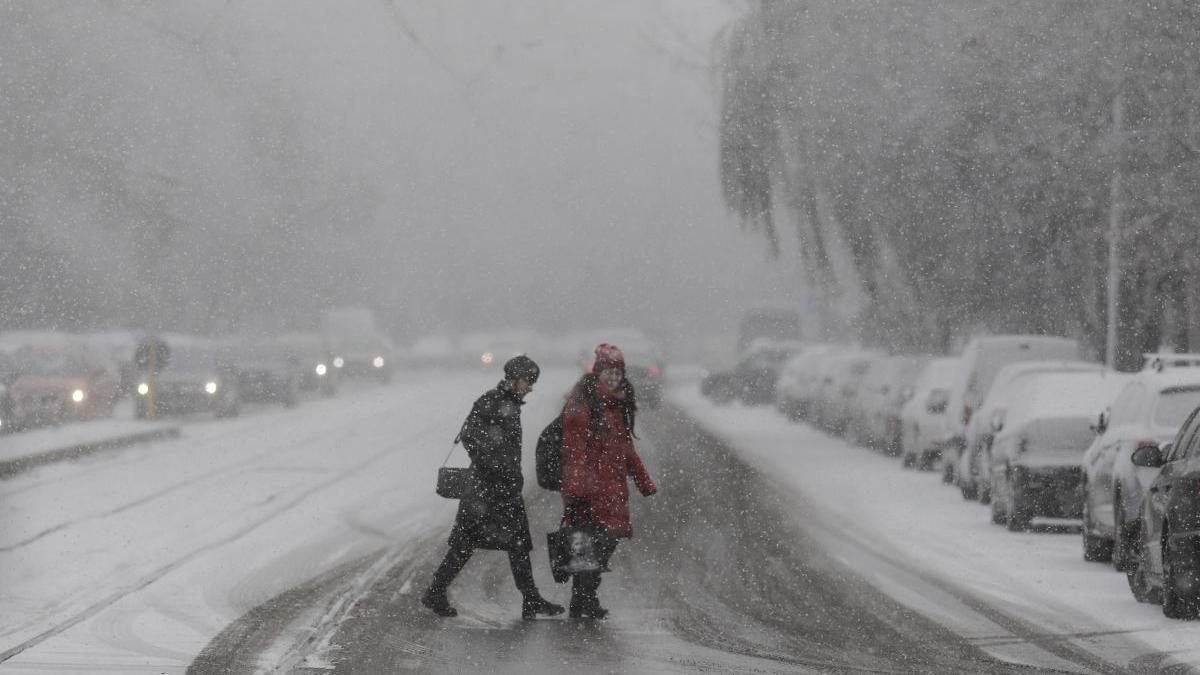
(983, 357)
(924, 427)
(1036, 457)
(883, 392)
(1006, 391)
(1148, 412)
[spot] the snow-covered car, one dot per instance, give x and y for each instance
(1036, 456)
(983, 357)
(198, 376)
(55, 384)
(1148, 412)
(840, 384)
(1007, 388)
(799, 382)
(884, 391)
(925, 429)
(1168, 563)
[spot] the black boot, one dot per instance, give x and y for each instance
(584, 604)
(535, 604)
(435, 599)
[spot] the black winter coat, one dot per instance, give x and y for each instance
(494, 517)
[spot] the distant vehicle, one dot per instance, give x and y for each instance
(198, 376)
(925, 428)
(491, 349)
(360, 349)
(1168, 565)
(59, 384)
(312, 356)
(265, 372)
(770, 321)
(1035, 458)
(1148, 412)
(752, 379)
(798, 382)
(983, 357)
(1006, 391)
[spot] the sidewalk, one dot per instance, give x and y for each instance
(22, 451)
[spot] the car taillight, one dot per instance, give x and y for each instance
(966, 417)
(655, 371)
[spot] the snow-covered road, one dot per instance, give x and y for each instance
(141, 559)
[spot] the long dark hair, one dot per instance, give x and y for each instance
(584, 393)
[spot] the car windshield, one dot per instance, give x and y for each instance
(50, 364)
(1174, 405)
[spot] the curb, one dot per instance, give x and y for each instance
(12, 467)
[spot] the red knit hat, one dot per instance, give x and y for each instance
(608, 356)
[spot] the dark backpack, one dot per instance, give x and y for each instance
(548, 456)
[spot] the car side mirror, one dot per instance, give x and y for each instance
(1149, 456)
(1101, 423)
(997, 421)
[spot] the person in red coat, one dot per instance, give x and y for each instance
(598, 457)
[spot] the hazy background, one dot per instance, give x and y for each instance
(455, 165)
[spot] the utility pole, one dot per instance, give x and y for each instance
(1115, 214)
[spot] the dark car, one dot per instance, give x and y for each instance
(752, 379)
(196, 375)
(266, 373)
(312, 357)
(1168, 568)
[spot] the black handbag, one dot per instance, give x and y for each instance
(455, 482)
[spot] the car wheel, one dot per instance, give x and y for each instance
(1125, 538)
(999, 515)
(947, 471)
(908, 460)
(1140, 586)
(1095, 549)
(966, 485)
(1176, 603)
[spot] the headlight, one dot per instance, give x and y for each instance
(78, 396)
(487, 357)
(143, 388)
(339, 362)
(210, 387)
(321, 369)
(378, 362)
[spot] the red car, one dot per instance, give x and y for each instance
(59, 384)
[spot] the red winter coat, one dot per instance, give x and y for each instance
(597, 458)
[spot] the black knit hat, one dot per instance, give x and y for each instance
(521, 367)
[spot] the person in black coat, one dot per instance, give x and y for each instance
(493, 516)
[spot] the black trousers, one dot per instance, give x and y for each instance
(585, 584)
(457, 557)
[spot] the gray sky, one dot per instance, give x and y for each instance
(537, 161)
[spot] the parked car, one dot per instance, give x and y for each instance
(56, 384)
(1148, 412)
(752, 379)
(197, 375)
(1006, 391)
(983, 357)
(312, 357)
(1168, 566)
(925, 428)
(798, 382)
(840, 384)
(1036, 456)
(885, 389)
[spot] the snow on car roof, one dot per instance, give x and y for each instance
(1171, 378)
(1072, 394)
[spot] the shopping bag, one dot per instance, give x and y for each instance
(573, 549)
